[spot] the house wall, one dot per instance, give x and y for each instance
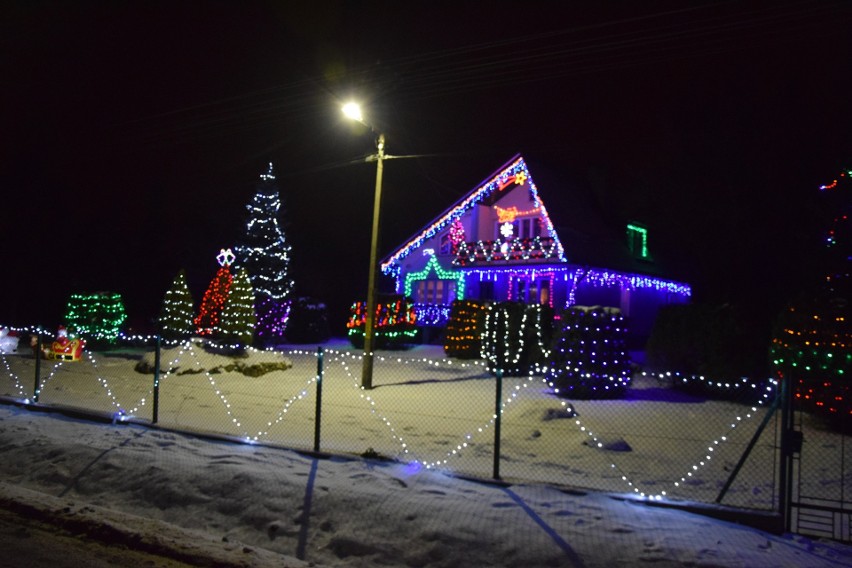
(517, 196)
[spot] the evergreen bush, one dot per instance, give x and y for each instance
(308, 322)
(463, 338)
(589, 358)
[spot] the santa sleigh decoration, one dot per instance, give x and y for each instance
(64, 349)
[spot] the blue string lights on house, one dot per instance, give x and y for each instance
(515, 173)
(500, 243)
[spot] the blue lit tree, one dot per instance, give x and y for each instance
(265, 255)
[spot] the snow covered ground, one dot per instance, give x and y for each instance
(335, 511)
(430, 415)
(438, 413)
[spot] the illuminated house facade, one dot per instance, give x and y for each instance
(500, 243)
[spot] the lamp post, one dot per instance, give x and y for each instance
(353, 111)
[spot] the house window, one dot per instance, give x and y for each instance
(637, 240)
(435, 291)
(520, 291)
(544, 291)
(526, 228)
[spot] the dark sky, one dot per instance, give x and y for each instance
(133, 133)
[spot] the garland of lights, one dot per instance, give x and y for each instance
(463, 336)
(643, 235)
(237, 322)
(432, 315)
(509, 214)
(265, 254)
(590, 276)
(526, 277)
(177, 313)
(394, 322)
(456, 235)
(505, 325)
(434, 266)
(214, 298)
(97, 317)
(536, 248)
(590, 358)
(468, 439)
(13, 376)
(813, 342)
(515, 173)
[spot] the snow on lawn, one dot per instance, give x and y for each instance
(336, 511)
(431, 413)
(436, 412)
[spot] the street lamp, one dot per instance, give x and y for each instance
(353, 111)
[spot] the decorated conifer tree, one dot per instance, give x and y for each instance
(265, 254)
(176, 315)
(237, 319)
(97, 317)
(216, 295)
(464, 329)
(812, 342)
(589, 358)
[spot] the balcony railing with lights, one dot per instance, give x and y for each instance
(517, 250)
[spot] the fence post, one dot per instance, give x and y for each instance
(750, 446)
(156, 410)
(36, 389)
(787, 449)
(498, 415)
(318, 414)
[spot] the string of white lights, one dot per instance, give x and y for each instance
(121, 412)
(12, 375)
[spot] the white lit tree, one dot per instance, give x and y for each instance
(265, 254)
(176, 316)
(237, 319)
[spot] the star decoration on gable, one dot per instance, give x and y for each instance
(520, 178)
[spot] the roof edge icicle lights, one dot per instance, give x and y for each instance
(516, 172)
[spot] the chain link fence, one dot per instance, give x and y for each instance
(430, 411)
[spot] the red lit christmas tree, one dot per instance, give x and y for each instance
(216, 295)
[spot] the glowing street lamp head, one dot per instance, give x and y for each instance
(353, 111)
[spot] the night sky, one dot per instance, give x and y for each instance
(133, 133)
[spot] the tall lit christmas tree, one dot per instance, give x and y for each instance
(176, 315)
(813, 340)
(237, 319)
(216, 295)
(265, 254)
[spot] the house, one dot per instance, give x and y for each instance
(500, 243)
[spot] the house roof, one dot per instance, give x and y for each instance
(573, 218)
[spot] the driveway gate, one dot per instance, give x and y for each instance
(816, 472)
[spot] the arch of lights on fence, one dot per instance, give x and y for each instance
(344, 359)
